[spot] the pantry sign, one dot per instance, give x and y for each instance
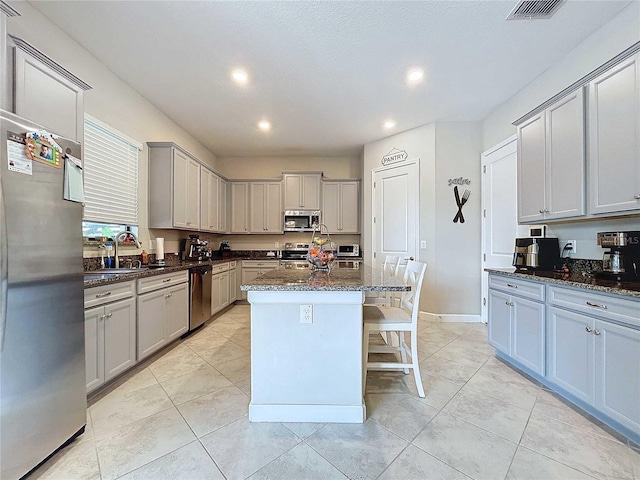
(394, 156)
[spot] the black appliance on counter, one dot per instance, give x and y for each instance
(194, 249)
(622, 261)
(537, 254)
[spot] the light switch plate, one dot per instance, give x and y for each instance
(306, 313)
(423, 244)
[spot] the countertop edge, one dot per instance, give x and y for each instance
(610, 289)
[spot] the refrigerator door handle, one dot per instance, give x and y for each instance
(4, 269)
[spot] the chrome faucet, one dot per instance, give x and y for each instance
(125, 233)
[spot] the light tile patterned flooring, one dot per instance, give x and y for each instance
(184, 416)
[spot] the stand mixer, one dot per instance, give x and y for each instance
(622, 261)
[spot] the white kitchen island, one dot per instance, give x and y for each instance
(306, 343)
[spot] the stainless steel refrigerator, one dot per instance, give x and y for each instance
(42, 363)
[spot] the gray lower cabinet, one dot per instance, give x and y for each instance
(233, 282)
(110, 334)
(163, 313)
(516, 321)
(596, 360)
(254, 268)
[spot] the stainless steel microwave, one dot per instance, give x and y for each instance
(349, 250)
(301, 220)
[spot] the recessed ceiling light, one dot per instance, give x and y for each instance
(389, 124)
(415, 75)
(240, 76)
(264, 125)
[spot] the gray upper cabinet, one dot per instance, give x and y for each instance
(239, 207)
(174, 188)
(614, 139)
(265, 213)
(302, 191)
(551, 162)
(340, 200)
(47, 93)
(213, 202)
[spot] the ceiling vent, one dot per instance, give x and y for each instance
(535, 9)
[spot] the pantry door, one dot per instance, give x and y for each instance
(395, 224)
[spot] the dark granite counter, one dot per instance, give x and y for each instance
(580, 280)
(365, 279)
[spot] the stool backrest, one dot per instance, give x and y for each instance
(414, 276)
(390, 265)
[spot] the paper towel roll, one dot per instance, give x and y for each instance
(159, 249)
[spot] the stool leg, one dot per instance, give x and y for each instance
(403, 352)
(416, 372)
(365, 356)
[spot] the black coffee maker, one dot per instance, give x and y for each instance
(194, 249)
(621, 261)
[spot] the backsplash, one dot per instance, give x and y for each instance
(579, 265)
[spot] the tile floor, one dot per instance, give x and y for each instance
(184, 416)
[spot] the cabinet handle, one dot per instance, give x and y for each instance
(102, 295)
(167, 280)
(588, 329)
(188, 223)
(596, 332)
(512, 286)
(509, 303)
(546, 210)
(168, 295)
(604, 307)
(541, 210)
(637, 196)
(108, 315)
(102, 317)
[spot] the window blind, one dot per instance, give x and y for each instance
(110, 175)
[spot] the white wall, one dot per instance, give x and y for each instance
(110, 100)
(605, 43)
(446, 150)
(272, 167)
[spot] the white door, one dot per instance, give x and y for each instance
(395, 212)
(500, 213)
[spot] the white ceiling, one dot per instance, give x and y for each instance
(327, 74)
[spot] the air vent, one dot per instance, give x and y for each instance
(535, 9)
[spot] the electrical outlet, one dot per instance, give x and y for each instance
(306, 313)
(570, 245)
(277, 245)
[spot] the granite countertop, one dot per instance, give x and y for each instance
(576, 279)
(365, 279)
(104, 277)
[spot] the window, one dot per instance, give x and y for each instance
(110, 176)
(95, 230)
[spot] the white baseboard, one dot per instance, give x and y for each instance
(450, 317)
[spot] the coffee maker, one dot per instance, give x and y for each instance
(622, 261)
(194, 249)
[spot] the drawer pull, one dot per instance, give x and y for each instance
(588, 329)
(596, 332)
(512, 286)
(167, 280)
(102, 295)
(604, 307)
(509, 303)
(637, 196)
(109, 315)
(168, 295)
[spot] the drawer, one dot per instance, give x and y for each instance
(219, 268)
(233, 265)
(611, 307)
(103, 294)
(149, 284)
(260, 263)
(516, 286)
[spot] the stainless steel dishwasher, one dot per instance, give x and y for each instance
(200, 307)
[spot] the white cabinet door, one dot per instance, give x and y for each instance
(94, 347)
(248, 274)
(176, 310)
(180, 196)
(528, 333)
(349, 201)
(239, 207)
(331, 206)
(216, 297)
(499, 322)
(151, 323)
(614, 139)
(224, 289)
(565, 159)
(119, 337)
(531, 169)
(258, 207)
(617, 360)
(233, 285)
(47, 98)
(193, 194)
(302, 191)
(311, 191)
(273, 208)
(208, 200)
(223, 209)
(570, 354)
